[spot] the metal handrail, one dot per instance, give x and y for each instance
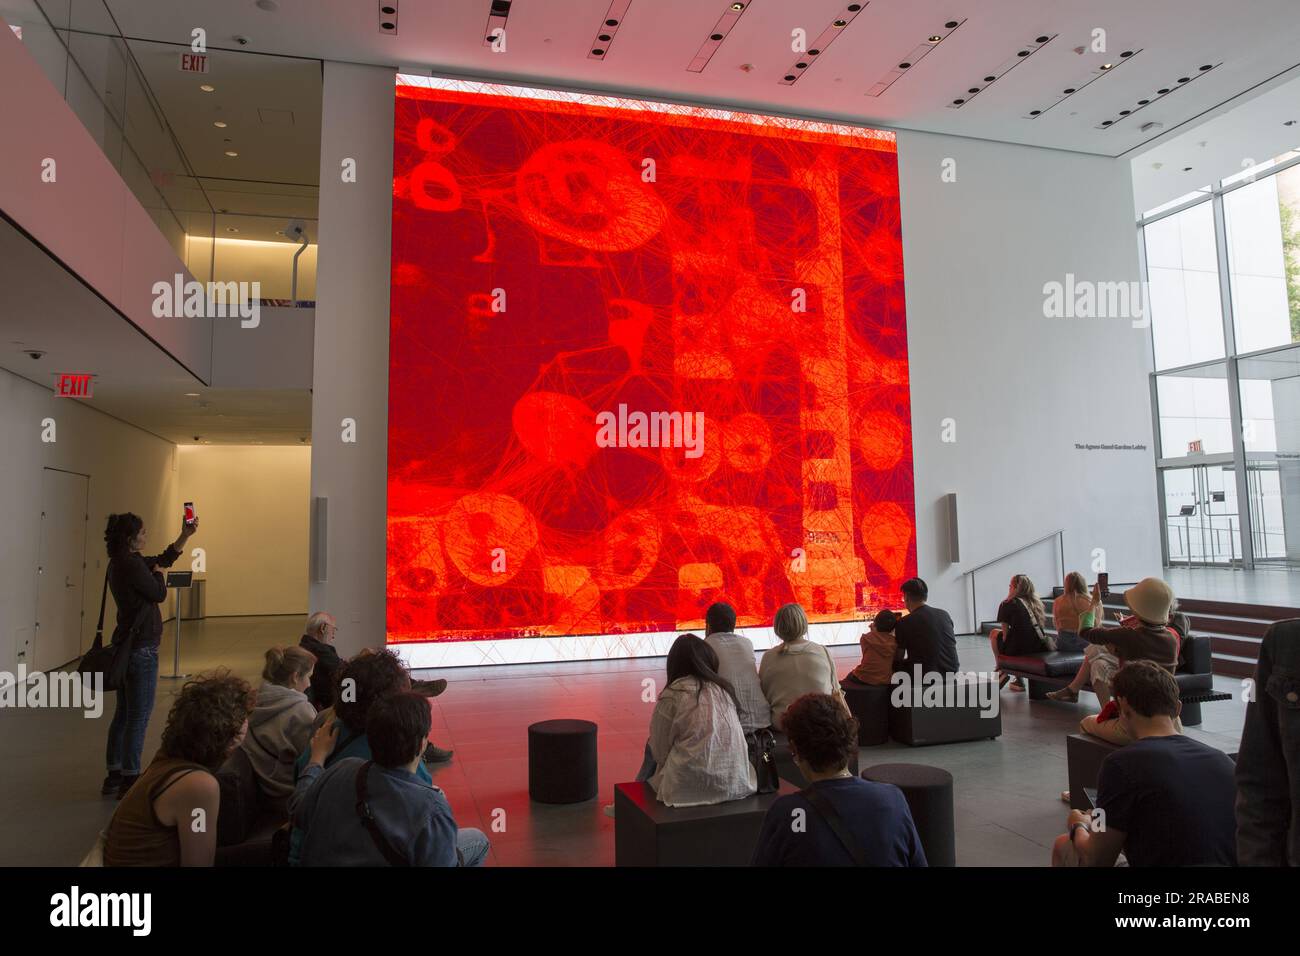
(1059, 533)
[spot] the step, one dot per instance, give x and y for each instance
(1233, 666)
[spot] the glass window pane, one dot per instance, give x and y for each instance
(1183, 290)
(1263, 228)
(1194, 408)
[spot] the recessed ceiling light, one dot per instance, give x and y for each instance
(840, 23)
(231, 152)
(231, 229)
(388, 26)
(738, 6)
(1107, 66)
(268, 5)
(936, 38)
(220, 124)
(191, 394)
(950, 25)
(1289, 123)
(208, 88)
(1042, 39)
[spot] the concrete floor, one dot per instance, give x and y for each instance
(1007, 806)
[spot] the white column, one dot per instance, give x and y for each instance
(350, 373)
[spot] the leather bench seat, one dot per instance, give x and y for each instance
(1049, 663)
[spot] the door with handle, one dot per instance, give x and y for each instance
(60, 569)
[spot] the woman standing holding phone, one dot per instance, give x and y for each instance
(138, 587)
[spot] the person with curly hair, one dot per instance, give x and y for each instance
(839, 819)
(138, 588)
(169, 817)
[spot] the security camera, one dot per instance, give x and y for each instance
(296, 229)
(241, 40)
(34, 354)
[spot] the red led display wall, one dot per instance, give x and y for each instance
(643, 357)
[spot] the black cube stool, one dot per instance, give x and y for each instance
(869, 704)
(562, 761)
(928, 791)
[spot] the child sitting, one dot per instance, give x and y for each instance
(878, 650)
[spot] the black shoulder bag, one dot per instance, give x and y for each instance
(762, 744)
(823, 808)
(111, 660)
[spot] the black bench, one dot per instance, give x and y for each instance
(1049, 670)
(648, 833)
(961, 720)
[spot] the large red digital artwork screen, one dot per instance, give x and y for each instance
(643, 357)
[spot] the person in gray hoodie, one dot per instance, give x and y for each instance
(281, 723)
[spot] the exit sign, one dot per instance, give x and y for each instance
(74, 385)
(1195, 447)
(194, 63)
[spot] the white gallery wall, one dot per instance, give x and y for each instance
(1022, 389)
(128, 469)
(252, 503)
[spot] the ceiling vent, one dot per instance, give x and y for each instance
(731, 14)
(908, 61)
(1095, 74)
(817, 46)
(992, 76)
(494, 35)
(608, 29)
(1189, 77)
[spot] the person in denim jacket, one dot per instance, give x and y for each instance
(1268, 765)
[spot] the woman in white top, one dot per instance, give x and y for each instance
(796, 666)
(696, 739)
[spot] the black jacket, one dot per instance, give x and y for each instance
(321, 692)
(134, 589)
(1268, 766)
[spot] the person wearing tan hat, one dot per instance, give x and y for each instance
(1145, 635)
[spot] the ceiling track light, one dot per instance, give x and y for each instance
(731, 14)
(1097, 72)
(992, 76)
(388, 17)
(1160, 94)
(494, 33)
(907, 63)
(817, 46)
(608, 28)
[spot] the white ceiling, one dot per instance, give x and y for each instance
(547, 42)
(48, 309)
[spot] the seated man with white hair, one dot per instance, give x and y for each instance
(318, 638)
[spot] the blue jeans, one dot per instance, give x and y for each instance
(134, 706)
(472, 845)
(1070, 641)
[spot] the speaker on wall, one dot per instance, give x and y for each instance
(954, 545)
(319, 538)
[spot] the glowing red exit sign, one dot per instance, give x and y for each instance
(74, 385)
(194, 63)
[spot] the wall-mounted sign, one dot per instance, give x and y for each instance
(74, 385)
(193, 62)
(1195, 447)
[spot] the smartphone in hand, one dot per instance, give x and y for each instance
(190, 516)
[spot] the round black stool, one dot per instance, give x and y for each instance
(869, 704)
(928, 791)
(562, 761)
